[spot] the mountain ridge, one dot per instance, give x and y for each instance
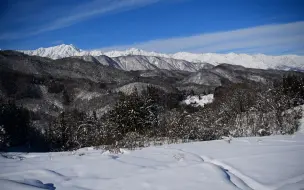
(259, 61)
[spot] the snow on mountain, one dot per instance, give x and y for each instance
(55, 52)
(134, 51)
(226, 73)
(261, 61)
(139, 62)
(63, 50)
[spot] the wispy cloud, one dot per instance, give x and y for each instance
(271, 39)
(67, 15)
(57, 42)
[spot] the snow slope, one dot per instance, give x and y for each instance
(261, 163)
(260, 61)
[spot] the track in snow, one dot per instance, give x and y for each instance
(268, 163)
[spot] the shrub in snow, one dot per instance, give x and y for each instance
(132, 140)
(262, 132)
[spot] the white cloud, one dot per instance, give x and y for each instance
(273, 38)
(71, 15)
(97, 7)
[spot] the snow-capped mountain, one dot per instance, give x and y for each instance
(55, 52)
(260, 61)
(132, 59)
(134, 51)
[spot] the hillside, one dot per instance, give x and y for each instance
(47, 87)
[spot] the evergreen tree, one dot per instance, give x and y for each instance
(15, 124)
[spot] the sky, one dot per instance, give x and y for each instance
(272, 27)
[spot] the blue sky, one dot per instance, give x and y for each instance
(240, 26)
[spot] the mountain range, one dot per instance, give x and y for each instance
(90, 83)
(135, 59)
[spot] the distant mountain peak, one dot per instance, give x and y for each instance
(135, 50)
(69, 47)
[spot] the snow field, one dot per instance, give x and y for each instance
(274, 162)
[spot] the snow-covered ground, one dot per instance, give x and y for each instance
(275, 162)
(199, 100)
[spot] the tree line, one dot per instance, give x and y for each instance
(155, 116)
